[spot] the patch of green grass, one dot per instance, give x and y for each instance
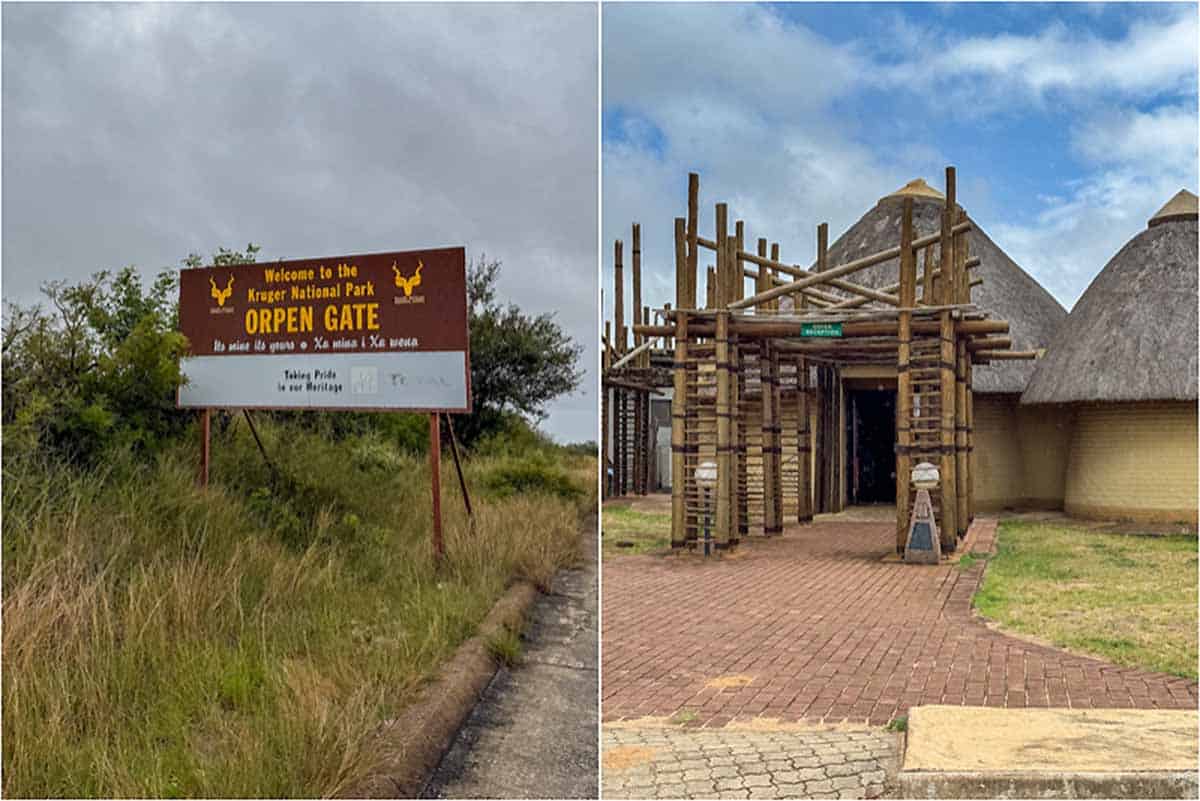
(683, 716)
(643, 532)
(246, 640)
(1130, 600)
(898, 723)
(506, 647)
(969, 559)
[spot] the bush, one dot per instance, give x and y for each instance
(529, 476)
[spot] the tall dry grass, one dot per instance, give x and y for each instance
(159, 640)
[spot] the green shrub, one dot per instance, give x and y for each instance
(529, 476)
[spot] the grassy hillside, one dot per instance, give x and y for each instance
(245, 640)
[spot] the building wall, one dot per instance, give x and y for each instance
(1020, 456)
(1134, 461)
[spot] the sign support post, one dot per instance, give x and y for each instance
(371, 332)
(435, 480)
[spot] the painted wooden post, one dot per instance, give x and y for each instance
(435, 481)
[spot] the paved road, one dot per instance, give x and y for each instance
(533, 734)
(731, 763)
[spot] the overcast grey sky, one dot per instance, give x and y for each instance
(136, 134)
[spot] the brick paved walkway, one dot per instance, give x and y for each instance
(814, 626)
(729, 763)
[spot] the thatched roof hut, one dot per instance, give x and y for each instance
(1132, 335)
(1007, 291)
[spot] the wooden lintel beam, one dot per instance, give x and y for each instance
(992, 355)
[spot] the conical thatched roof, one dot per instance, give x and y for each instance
(1132, 335)
(1008, 292)
(1181, 207)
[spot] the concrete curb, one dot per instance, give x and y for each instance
(414, 743)
(1032, 784)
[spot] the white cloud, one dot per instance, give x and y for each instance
(1156, 55)
(140, 133)
(776, 133)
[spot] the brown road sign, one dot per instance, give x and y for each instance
(375, 331)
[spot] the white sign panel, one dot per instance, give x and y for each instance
(416, 381)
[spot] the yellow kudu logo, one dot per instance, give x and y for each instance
(408, 284)
(221, 295)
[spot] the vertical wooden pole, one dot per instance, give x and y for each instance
(692, 276)
(927, 295)
(205, 440)
(679, 479)
(722, 232)
(772, 523)
(962, 465)
(639, 411)
(637, 281)
(908, 282)
(435, 482)
(970, 443)
(949, 478)
(619, 300)
(724, 527)
(741, 510)
(710, 288)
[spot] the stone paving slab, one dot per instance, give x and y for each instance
(676, 762)
(815, 626)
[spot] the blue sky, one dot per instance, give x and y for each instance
(1069, 124)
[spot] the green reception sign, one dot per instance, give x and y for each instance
(820, 329)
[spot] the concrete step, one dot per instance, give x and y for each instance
(986, 752)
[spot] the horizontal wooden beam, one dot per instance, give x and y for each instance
(991, 355)
(784, 328)
(996, 343)
(865, 292)
(857, 265)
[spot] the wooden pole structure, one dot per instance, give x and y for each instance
(435, 481)
(735, 355)
(772, 523)
(722, 272)
(857, 265)
(639, 398)
(949, 479)
(962, 359)
(692, 277)
(619, 300)
(679, 390)
(205, 440)
(970, 444)
(927, 296)
(904, 397)
(724, 525)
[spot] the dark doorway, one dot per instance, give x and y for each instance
(870, 445)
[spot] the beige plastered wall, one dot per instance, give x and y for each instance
(1133, 461)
